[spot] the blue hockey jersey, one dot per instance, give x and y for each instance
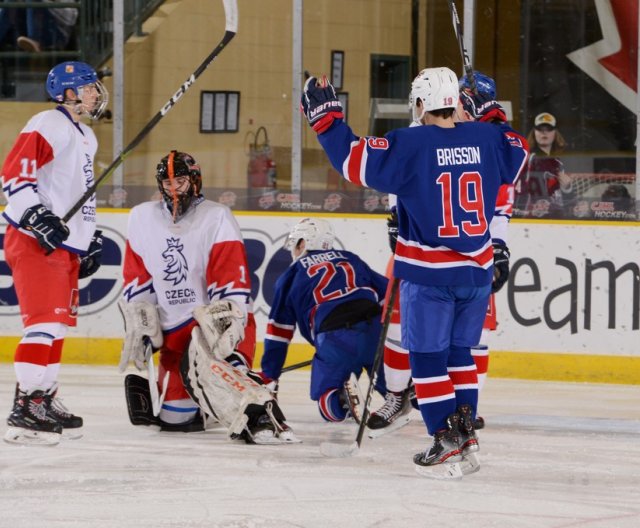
(446, 180)
(310, 293)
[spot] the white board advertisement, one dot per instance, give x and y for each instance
(573, 288)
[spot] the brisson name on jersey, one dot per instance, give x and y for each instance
(311, 288)
(199, 259)
(446, 182)
(51, 163)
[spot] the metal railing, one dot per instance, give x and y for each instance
(91, 41)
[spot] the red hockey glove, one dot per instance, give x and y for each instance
(319, 104)
(482, 108)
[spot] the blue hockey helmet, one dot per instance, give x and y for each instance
(75, 75)
(485, 84)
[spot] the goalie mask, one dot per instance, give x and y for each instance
(434, 88)
(179, 181)
(317, 234)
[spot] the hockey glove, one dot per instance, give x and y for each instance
(319, 104)
(90, 263)
(222, 324)
(50, 231)
(500, 266)
(392, 229)
(482, 108)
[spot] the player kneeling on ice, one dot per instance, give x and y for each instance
(446, 177)
(334, 297)
(186, 294)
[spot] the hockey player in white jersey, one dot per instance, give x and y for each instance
(49, 167)
(186, 294)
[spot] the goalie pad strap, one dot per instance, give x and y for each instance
(219, 389)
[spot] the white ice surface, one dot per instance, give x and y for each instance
(553, 455)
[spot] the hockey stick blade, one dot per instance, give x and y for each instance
(398, 424)
(335, 450)
(231, 28)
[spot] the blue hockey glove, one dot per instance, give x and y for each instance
(392, 229)
(50, 231)
(500, 266)
(319, 104)
(481, 107)
(91, 261)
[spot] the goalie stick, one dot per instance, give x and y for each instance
(231, 27)
(334, 450)
(466, 61)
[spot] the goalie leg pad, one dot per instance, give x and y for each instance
(229, 395)
(219, 389)
(136, 390)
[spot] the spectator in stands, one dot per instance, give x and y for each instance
(546, 189)
(47, 28)
(12, 24)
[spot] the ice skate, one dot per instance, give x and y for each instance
(266, 426)
(29, 422)
(393, 414)
(441, 460)
(56, 410)
(468, 438)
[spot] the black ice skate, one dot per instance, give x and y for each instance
(478, 423)
(393, 415)
(29, 422)
(440, 461)
(56, 410)
(468, 438)
(266, 426)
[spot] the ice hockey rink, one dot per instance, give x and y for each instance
(553, 455)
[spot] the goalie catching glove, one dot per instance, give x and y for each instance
(141, 323)
(501, 257)
(320, 104)
(222, 323)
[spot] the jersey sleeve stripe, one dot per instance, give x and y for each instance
(355, 163)
(279, 334)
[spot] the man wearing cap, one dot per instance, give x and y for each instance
(546, 189)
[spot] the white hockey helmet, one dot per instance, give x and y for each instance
(436, 88)
(317, 234)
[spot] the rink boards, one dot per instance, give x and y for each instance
(569, 312)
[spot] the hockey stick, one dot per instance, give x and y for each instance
(466, 61)
(297, 366)
(333, 450)
(231, 27)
